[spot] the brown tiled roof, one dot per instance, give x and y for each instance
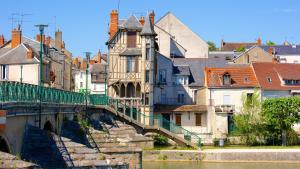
(241, 76)
(182, 108)
(276, 72)
(230, 46)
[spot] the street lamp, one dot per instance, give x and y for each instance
(41, 29)
(87, 54)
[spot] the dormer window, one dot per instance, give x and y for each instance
(226, 79)
(269, 79)
(131, 39)
(291, 82)
(246, 80)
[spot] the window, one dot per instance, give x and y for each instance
(131, 39)
(180, 98)
(292, 82)
(198, 119)
(132, 64)
(269, 79)
(147, 76)
(181, 80)
(81, 84)
(246, 80)
(226, 79)
(178, 119)
(226, 100)
(95, 87)
(4, 72)
(162, 76)
(81, 75)
(147, 99)
(148, 51)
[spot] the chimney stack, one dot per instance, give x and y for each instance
(48, 40)
(29, 53)
(259, 41)
(38, 38)
(271, 50)
(99, 57)
(58, 39)
(2, 40)
(114, 22)
(16, 35)
(152, 15)
(142, 20)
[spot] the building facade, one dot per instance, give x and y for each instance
(132, 59)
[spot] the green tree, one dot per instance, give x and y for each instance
(248, 123)
(280, 114)
(241, 49)
(212, 46)
(270, 43)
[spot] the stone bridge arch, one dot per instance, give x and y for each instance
(48, 126)
(4, 145)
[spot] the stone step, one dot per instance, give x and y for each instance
(120, 150)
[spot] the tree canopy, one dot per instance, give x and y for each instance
(270, 43)
(212, 46)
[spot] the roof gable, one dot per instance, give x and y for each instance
(131, 23)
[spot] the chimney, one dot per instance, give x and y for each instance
(38, 38)
(259, 41)
(152, 15)
(48, 40)
(2, 41)
(58, 39)
(142, 20)
(271, 50)
(114, 22)
(76, 62)
(99, 57)
(16, 35)
(63, 45)
(29, 54)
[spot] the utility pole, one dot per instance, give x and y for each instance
(87, 54)
(41, 29)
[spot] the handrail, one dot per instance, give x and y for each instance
(29, 93)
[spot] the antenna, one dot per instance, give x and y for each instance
(119, 6)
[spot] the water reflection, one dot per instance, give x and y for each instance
(205, 165)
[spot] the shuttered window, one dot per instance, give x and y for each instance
(178, 119)
(198, 119)
(131, 39)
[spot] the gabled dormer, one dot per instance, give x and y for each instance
(226, 79)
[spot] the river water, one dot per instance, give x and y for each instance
(206, 165)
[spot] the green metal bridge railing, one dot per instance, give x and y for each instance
(154, 120)
(22, 92)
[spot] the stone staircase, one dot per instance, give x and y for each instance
(52, 151)
(9, 161)
(119, 140)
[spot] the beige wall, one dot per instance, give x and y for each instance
(194, 45)
(29, 73)
(256, 54)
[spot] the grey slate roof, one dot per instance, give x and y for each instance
(17, 55)
(131, 52)
(132, 23)
(98, 68)
(181, 70)
(197, 66)
(282, 49)
(148, 27)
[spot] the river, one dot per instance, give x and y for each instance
(206, 165)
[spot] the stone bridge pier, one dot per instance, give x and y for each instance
(16, 117)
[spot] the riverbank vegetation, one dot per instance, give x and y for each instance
(268, 123)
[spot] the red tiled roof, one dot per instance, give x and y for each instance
(240, 77)
(181, 108)
(229, 46)
(276, 72)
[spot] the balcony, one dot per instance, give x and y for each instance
(224, 108)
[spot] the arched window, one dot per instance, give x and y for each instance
(226, 79)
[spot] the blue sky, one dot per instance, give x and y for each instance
(85, 22)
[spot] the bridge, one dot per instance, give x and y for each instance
(22, 104)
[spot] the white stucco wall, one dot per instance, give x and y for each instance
(100, 87)
(30, 73)
(289, 58)
(194, 45)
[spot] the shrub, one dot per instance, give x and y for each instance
(292, 138)
(160, 140)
